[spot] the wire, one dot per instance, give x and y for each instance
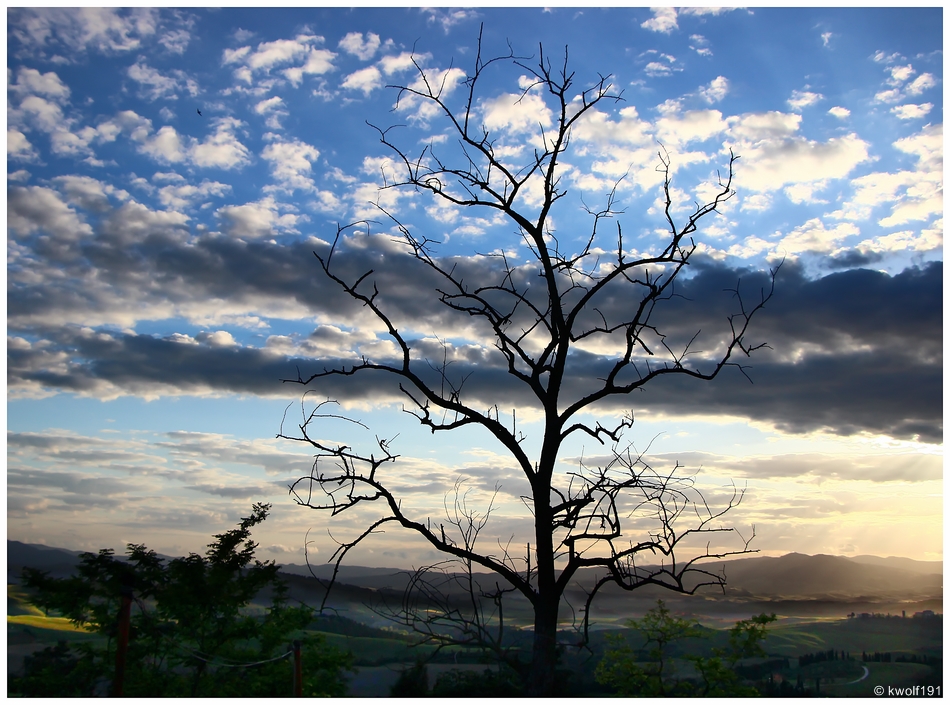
(234, 665)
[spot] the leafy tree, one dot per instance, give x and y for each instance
(413, 682)
(621, 667)
(540, 298)
(651, 672)
(56, 671)
(193, 626)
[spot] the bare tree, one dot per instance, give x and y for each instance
(578, 517)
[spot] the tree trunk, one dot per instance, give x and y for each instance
(544, 651)
(541, 676)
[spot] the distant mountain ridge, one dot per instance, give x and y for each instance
(792, 576)
(800, 575)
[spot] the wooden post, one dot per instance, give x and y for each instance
(123, 642)
(298, 671)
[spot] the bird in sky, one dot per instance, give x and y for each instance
(199, 110)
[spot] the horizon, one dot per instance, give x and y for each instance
(170, 172)
(352, 565)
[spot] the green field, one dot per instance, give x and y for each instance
(893, 635)
(56, 624)
(18, 602)
(28, 625)
(376, 651)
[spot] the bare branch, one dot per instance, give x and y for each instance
(582, 518)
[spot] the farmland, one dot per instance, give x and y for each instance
(875, 649)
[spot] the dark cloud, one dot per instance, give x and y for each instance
(856, 350)
(254, 492)
(854, 258)
(70, 483)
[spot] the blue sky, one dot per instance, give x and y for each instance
(161, 282)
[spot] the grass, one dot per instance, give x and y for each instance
(22, 617)
(18, 602)
(856, 635)
(373, 651)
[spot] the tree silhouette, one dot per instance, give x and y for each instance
(193, 625)
(538, 316)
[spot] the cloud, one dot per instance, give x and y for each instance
(717, 89)
(155, 86)
(354, 43)
(691, 126)
(516, 114)
(43, 114)
(221, 150)
(183, 196)
(134, 477)
(273, 109)
(449, 18)
(232, 56)
(840, 362)
(897, 87)
(256, 220)
(906, 195)
(291, 164)
(603, 131)
(770, 164)
(877, 468)
(366, 80)
(176, 41)
(839, 112)
(33, 209)
(19, 147)
(319, 62)
(443, 83)
(402, 62)
(88, 193)
(165, 146)
(911, 111)
(270, 54)
(803, 99)
(303, 52)
(665, 66)
(700, 45)
(921, 83)
(663, 20)
(861, 368)
(32, 82)
(106, 30)
(812, 236)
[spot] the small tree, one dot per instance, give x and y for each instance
(193, 623)
(538, 315)
(650, 672)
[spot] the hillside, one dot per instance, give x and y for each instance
(793, 584)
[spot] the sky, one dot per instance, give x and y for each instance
(170, 173)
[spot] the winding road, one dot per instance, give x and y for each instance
(866, 674)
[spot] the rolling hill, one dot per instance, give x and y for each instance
(793, 584)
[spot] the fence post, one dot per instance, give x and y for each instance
(123, 641)
(298, 671)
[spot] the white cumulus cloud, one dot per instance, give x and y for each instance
(910, 111)
(354, 43)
